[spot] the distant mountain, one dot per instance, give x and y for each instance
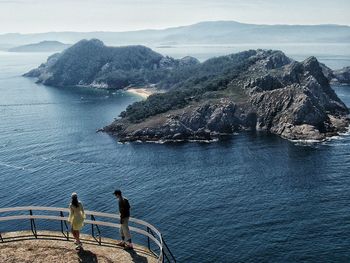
(216, 32)
(43, 46)
(90, 63)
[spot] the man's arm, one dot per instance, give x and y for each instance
(127, 204)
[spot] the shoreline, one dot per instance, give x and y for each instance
(142, 92)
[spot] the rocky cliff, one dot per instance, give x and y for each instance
(252, 90)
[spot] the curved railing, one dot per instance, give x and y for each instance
(142, 227)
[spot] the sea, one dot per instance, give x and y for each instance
(253, 197)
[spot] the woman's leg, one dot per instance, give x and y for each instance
(78, 236)
(74, 232)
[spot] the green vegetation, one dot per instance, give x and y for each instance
(89, 61)
(210, 79)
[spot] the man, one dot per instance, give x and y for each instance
(124, 210)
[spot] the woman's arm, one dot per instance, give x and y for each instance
(82, 210)
(71, 213)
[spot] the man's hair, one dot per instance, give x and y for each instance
(117, 192)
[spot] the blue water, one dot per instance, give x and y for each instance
(252, 198)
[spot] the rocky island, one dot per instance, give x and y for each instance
(89, 63)
(252, 90)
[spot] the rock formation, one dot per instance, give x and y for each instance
(251, 90)
(264, 91)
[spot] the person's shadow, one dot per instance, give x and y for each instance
(86, 256)
(137, 258)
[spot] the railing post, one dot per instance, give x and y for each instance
(92, 227)
(93, 231)
(168, 251)
(32, 225)
(148, 241)
(63, 222)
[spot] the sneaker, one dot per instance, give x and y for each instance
(129, 247)
(79, 245)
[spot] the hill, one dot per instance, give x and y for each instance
(43, 46)
(90, 63)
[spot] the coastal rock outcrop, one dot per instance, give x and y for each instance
(342, 75)
(257, 89)
(339, 76)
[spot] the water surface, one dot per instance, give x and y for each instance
(252, 198)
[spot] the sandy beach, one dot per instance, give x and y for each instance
(143, 92)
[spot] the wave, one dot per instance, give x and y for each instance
(23, 168)
(28, 104)
(178, 141)
(338, 139)
(339, 136)
(346, 133)
(306, 143)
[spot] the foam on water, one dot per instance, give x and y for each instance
(23, 168)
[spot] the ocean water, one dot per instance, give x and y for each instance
(251, 198)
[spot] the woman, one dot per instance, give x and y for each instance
(76, 218)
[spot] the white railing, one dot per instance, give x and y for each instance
(151, 232)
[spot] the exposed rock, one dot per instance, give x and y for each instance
(41, 72)
(342, 75)
(339, 76)
(167, 62)
(188, 61)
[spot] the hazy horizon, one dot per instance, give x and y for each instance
(142, 29)
(40, 16)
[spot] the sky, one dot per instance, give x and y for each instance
(33, 16)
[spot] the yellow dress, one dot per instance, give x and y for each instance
(76, 216)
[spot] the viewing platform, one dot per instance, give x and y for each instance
(43, 245)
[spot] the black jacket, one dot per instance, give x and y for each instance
(124, 208)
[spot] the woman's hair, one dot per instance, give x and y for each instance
(75, 201)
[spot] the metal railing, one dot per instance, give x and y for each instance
(163, 252)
